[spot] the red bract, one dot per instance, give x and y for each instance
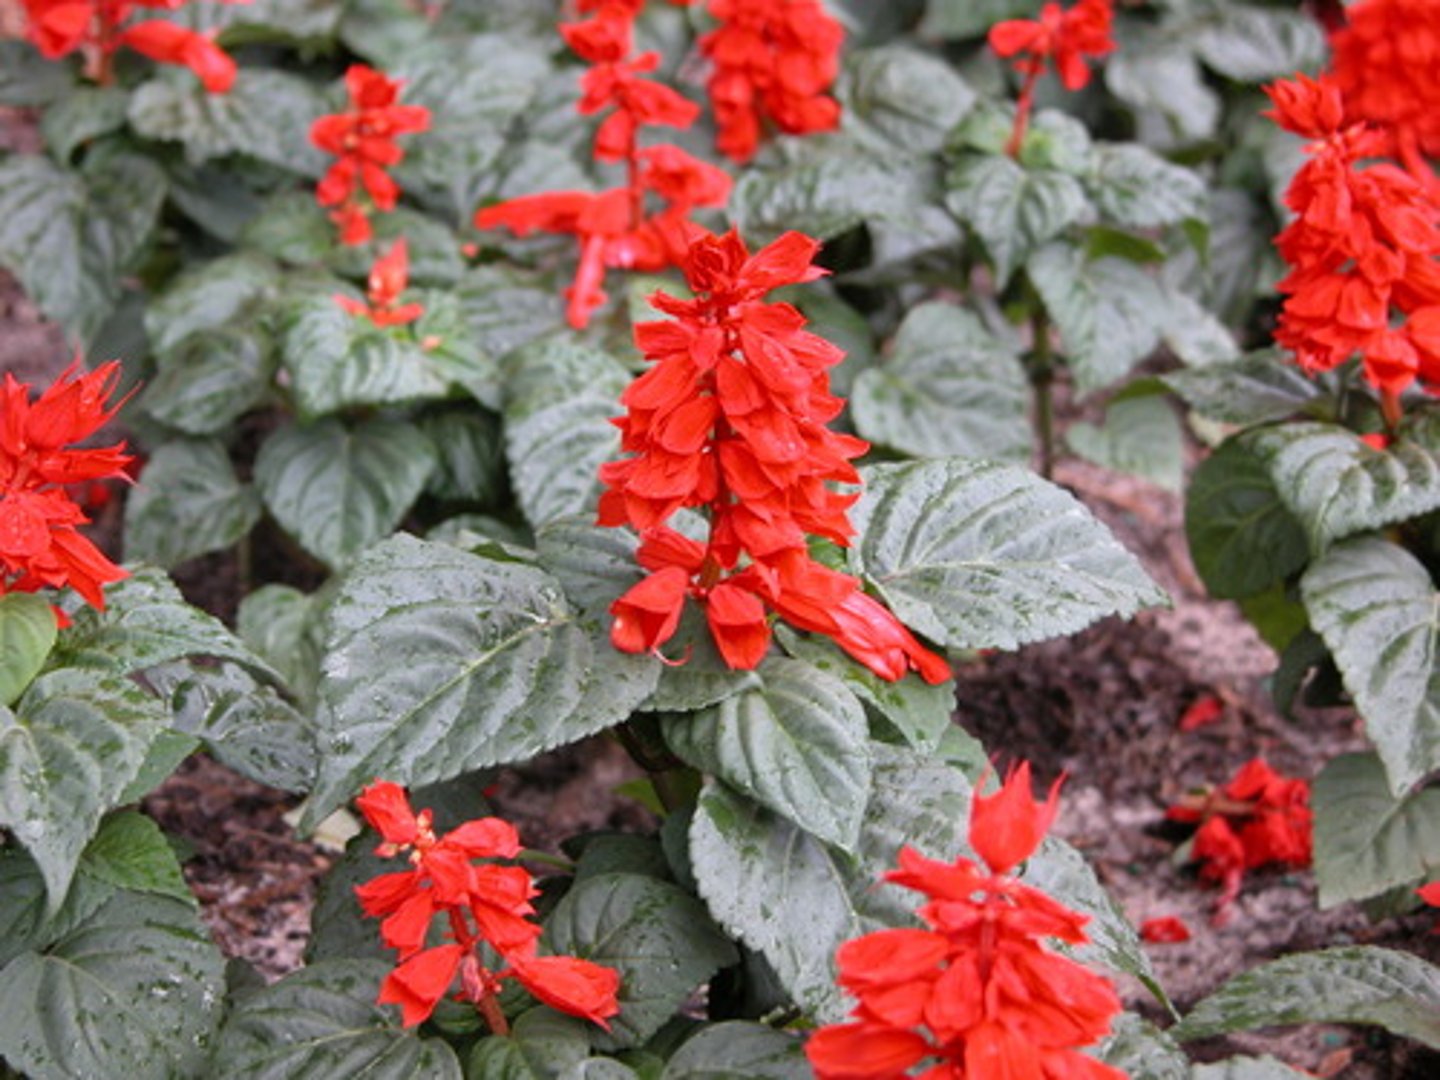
(1063, 38)
(1362, 245)
(39, 545)
(60, 27)
(773, 60)
(1386, 61)
(977, 994)
(388, 278)
(485, 904)
(1258, 818)
(1165, 930)
(731, 420)
(363, 140)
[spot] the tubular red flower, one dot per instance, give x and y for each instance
(1386, 61)
(388, 279)
(39, 545)
(1061, 37)
(977, 993)
(169, 43)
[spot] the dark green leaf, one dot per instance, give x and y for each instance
(187, 503)
(135, 991)
(85, 113)
(979, 555)
(1140, 436)
(656, 935)
(130, 852)
(470, 456)
(210, 380)
(1143, 1052)
(947, 387)
(1165, 79)
(440, 662)
(1242, 538)
(1014, 210)
(542, 1045)
(560, 398)
(321, 1021)
(1252, 44)
(337, 489)
(1354, 984)
(27, 79)
(26, 921)
(736, 1049)
(797, 743)
(909, 98)
(1248, 1068)
(209, 297)
(506, 309)
(1135, 187)
(1255, 389)
(1366, 840)
(972, 18)
(1376, 608)
(27, 634)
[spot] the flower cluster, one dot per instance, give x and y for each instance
(388, 278)
(1258, 818)
(615, 228)
(1386, 63)
(484, 905)
(39, 545)
(1063, 38)
(731, 420)
(363, 140)
(772, 59)
(61, 27)
(1361, 248)
(977, 994)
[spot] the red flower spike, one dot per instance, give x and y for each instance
(388, 278)
(1007, 827)
(1386, 60)
(60, 27)
(484, 904)
(977, 993)
(1164, 930)
(1062, 37)
(363, 140)
(39, 545)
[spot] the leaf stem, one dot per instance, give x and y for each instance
(1042, 379)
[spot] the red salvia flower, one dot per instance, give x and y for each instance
(1164, 930)
(388, 279)
(60, 27)
(977, 994)
(39, 545)
(1257, 819)
(731, 420)
(485, 904)
(1362, 246)
(1060, 37)
(1386, 63)
(772, 60)
(363, 140)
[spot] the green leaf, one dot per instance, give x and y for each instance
(188, 502)
(919, 712)
(27, 79)
(1335, 485)
(470, 457)
(26, 921)
(1164, 79)
(1252, 44)
(947, 387)
(951, 19)
(795, 900)
(440, 662)
(1194, 334)
(542, 1045)
(594, 564)
(210, 296)
(280, 624)
(210, 380)
(1014, 210)
(1254, 389)
(1109, 312)
(738, 1049)
(1248, 1068)
(506, 309)
(27, 634)
(910, 98)
(67, 752)
(796, 744)
(322, 1021)
(304, 24)
(130, 852)
(338, 489)
(704, 678)
(979, 555)
(1137, 188)
(70, 236)
(827, 194)
(1366, 840)
(1143, 1052)
(147, 622)
(1356, 984)
(266, 114)
(560, 398)
(86, 113)
(1140, 436)
(656, 935)
(1376, 608)
(1242, 538)
(134, 991)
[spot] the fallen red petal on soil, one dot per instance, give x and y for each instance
(1165, 930)
(1204, 710)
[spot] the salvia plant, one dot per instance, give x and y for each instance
(674, 372)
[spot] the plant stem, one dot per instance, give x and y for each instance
(1391, 410)
(493, 1016)
(1023, 104)
(1042, 379)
